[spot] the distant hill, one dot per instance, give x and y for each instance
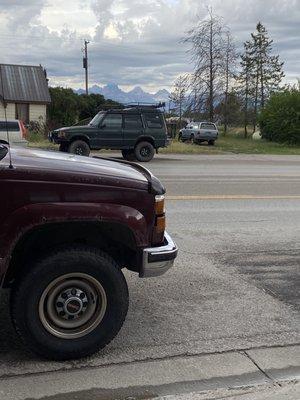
(136, 95)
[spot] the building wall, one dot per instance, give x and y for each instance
(37, 112)
(10, 111)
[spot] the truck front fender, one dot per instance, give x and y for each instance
(31, 216)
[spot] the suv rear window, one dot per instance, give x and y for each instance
(133, 121)
(153, 120)
(11, 126)
(206, 125)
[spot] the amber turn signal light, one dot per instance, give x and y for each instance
(159, 204)
(160, 225)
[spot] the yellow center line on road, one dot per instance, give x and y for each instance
(233, 197)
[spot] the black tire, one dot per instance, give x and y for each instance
(128, 155)
(192, 139)
(63, 147)
(32, 309)
(79, 147)
(144, 151)
(180, 138)
(211, 142)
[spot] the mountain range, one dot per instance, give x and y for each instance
(136, 95)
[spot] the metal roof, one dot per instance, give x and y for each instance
(24, 84)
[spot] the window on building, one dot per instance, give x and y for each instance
(22, 112)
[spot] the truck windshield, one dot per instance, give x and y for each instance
(97, 119)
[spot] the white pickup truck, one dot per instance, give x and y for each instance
(16, 131)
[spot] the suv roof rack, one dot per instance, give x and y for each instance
(146, 105)
(132, 107)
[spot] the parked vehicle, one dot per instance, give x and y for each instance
(198, 132)
(68, 225)
(16, 131)
(137, 131)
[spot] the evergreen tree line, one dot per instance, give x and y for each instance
(226, 87)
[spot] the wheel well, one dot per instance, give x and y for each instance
(83, 138)
(145, 139)
(115, 239)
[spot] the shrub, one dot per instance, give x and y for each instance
(280, 119)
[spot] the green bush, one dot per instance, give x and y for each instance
(280, 119)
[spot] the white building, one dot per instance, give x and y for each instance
(24, 88)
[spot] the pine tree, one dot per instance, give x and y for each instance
(229, 66)
(261, 73)
(267, 69)
(246, 81)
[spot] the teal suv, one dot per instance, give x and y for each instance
(138, 131)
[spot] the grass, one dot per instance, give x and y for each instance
(233, 142)
(37, 140)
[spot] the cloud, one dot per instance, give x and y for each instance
(132, 42)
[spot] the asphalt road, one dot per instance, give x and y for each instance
(236, 220)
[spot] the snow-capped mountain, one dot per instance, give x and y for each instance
(136, 95)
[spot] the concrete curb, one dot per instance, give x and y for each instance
(161, 377)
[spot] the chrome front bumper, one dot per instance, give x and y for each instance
(157, 260)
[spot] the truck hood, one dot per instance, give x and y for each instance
(61, 167)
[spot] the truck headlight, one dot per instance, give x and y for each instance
(61, 134)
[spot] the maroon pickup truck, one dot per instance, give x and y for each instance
(68, 225)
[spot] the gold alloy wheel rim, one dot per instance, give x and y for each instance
(72, 305)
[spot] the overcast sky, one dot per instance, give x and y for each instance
(133, 42)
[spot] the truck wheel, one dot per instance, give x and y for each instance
(192, 139)
(128, 155)
(211, 142)
(70, 304)
(180, 138)
(79, 147)
(144, 151)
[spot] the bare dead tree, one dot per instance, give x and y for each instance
(178, 95)
(195, 93)
(206, 42)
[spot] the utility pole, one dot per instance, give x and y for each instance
(86, 66)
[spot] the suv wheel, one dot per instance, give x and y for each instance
(144, 151)
(79, 147)
(211, 142)
(70, 304)
(192, 139)
(128, 155)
